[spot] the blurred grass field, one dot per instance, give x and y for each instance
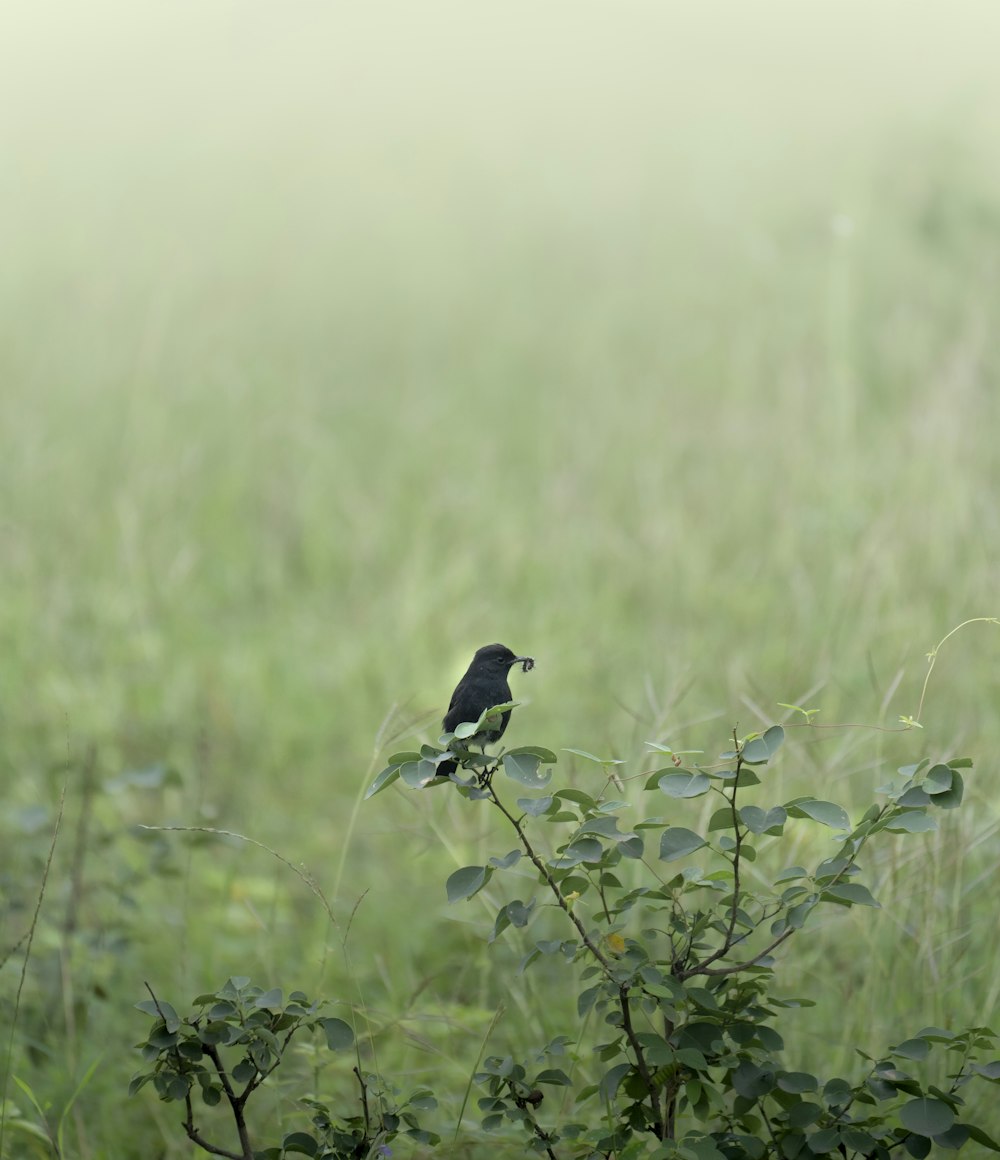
(656, 340)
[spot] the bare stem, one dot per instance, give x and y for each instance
(729, 940)
(197, 1138)
(236, 1102)
(364, 1100)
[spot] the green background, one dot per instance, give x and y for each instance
(656, 340)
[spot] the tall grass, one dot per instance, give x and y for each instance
(657, 342)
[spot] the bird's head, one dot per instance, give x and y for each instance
(501, 658)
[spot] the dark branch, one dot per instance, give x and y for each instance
(640, 1061)
(197, 1138)
(542, 869)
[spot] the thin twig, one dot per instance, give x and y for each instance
(640, 1061)
(236, 1102)
(591, 946)
(734, 911)
(364, 1100)
(702, 969)
(524, 1104)
(197, 1138)
(542, 869)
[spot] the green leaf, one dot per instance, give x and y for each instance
(611, 1080)
(759, 750)
(827, 813)
(804, 1114)
(272, 998)
(981, 1137)
(797, 1082)
(851, 893)
(951, 799)
(752, 1081)
(160, 1009)
(791, 874)
(525, 769)
(534, 807)
(926, 1117)
(917, 1146)
(936, 1034)
(912, 822)
(487, 719)
(913, 797)
(912, 1049)
(545, 756)
(465, 882)
(606, 827)
(678, 842)
(953, 1139)
(554, 1075)
(417, 774)
(759, 821)
(402, 758)
(383, 781)
(339, 1035)
(860, 1141)
(578, 797)
(594, 757)
(506, 861)
(824, 1142)
(581, 850)
(300, 1142)
(684, 784)
(837, 1092)
(632, 847)
(938, 779)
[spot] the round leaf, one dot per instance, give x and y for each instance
(417, 774)
(683, 784)
(677, 842)
(926, 1117)
(339, 1035)
(828, 813)
(545, 756)
(582, 850)
(913, 1049)
(534, 807)
(913, 821)
(524, 769)
(938, 779)
(465, 882)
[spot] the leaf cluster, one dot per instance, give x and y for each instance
(234, 1040)
(675, 957)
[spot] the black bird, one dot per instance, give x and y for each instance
(483, 686)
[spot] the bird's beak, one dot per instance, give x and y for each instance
(526, 663)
